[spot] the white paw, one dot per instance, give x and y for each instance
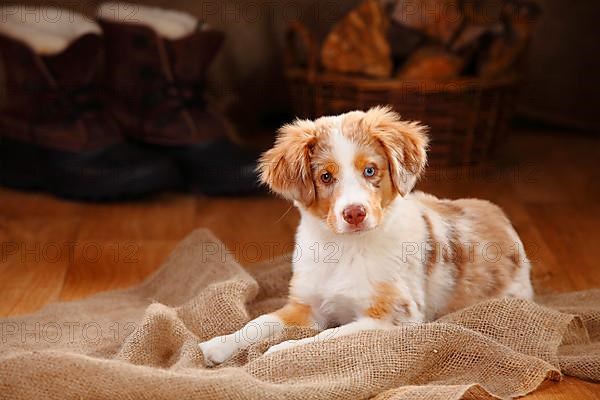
(218, 350)
(288, 344)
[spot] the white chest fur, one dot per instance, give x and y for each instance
(338, 275)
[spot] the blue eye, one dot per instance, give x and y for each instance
(369, 172)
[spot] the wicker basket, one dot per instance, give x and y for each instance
(467, 116)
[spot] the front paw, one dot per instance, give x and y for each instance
(288, 344)
(217, 350)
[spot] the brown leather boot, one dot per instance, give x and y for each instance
(156, 67)
(54, 133)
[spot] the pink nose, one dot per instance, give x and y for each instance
(354, 214)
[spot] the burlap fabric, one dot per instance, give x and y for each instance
(141, 343)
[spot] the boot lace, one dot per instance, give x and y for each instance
(181, 95)
(71, 103)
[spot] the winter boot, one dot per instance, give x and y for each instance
(54, 132)
(156, 66)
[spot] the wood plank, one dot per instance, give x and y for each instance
(253, 228)
(571, 232)
(34, 258)
(568, 389)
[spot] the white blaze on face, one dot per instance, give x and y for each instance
(350, 189)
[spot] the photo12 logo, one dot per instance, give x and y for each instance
(51, 13)
(52, 252)
(64, 332)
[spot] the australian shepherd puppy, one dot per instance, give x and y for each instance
(371, 254)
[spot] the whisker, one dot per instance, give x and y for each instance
(284, 214)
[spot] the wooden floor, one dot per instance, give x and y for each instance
(51, 250)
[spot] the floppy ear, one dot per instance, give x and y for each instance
(405, 145)
(286, 167)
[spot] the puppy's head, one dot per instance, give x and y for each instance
(346, 170)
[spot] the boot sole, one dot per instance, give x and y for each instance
(201, 177)
(23, 167)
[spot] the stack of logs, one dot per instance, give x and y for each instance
(435, 40)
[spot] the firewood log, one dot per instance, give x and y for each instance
(439, 19)
(403, 41)
(472, 36)
(358, 43)
(482, 12)
(507, 49)
(471, 41)
(432, 63)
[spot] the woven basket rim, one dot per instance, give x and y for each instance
(364, 83)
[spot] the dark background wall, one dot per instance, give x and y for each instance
(562, 87)
(563, 83)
